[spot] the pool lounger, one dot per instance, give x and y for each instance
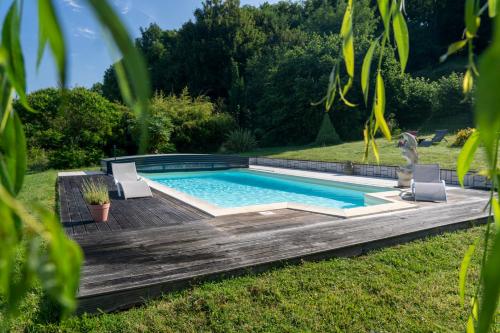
(128, 182)
(426, 184)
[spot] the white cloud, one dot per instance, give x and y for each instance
(85, 32)
(74, 5)
(124, 6)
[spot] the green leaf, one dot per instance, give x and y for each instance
(453, 48)
(59, 271)
(487, 112)
(466, 156)
(468, 82)
(385, 14)
(379, 107)
(50, 31)
(375, 150)
(15, 60)
(365, 71)
(342, 93)
(471, 20)
(137, 76)
(402, 37)
(470, 325)
(13, 157)
(462, 276)
(491, 287)
(492, 7)
(332, 88)
(348, 41)
(496, 212)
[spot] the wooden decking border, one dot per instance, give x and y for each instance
(125, 267)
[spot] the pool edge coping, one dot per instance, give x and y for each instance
(390, 206)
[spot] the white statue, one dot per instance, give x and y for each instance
(409, 148)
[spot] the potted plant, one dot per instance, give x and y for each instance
(96, 195)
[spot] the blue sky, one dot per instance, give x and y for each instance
(88, 53)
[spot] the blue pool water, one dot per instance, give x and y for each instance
(242, 187)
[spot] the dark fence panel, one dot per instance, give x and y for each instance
(178, 162)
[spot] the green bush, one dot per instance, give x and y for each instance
(240, 141)
(159, 127)
(197, 126)
(462, 136)
(412, 100)
(450, 98)
(75, 128)
(38, 159)
(327, 134)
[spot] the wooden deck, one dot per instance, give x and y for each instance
(159, 244)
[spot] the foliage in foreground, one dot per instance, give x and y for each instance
(33, 246)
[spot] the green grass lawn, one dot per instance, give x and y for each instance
(441, 153)
(407, 288)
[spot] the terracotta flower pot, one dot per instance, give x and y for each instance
(99, 212)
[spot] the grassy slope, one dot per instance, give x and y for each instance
(411, 287)
(441, 153)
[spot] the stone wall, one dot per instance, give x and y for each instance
(369, 170)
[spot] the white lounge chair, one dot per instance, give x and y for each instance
(128, 182)
(426, 184)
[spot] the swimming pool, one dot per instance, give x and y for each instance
(235, 188)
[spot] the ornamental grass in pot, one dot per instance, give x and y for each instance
(96, 194)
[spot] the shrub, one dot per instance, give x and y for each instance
(327, 134)
(462, 136)
(95, 192)
(450, 98)
(411, 99)
(75, 128)
(38, 159)
(239, 141)
(197, 126)
(159, 127)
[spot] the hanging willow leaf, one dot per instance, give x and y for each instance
(332, 86)
(496, 211)
(133, 63)
(492, 7)
(385, 14)
(379, 107)
(466, 156)
(471, 20)
(348, 41)
(13, 156)
(463, 271)
(491, 287)
(49, 30)
(402, 37)
(343, 91)
(468, 82)
(365, 70)
(375, 150)
(453, 48)
(60, 270)
(15, 60)
(488, 99)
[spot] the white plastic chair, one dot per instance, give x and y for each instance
(128, 182)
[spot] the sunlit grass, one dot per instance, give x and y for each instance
(390, 154)
(411, 287)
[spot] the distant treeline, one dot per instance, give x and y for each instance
(266, 65)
